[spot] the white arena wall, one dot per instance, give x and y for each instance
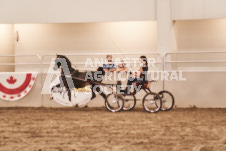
(106, 37)
(74, 11)
(7, 45)
(198, 9)
(208, 35)
(201, 89)
(129, 26)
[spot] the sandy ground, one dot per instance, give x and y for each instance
(97, 129)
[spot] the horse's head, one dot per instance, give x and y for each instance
(60, 61)
(57, 64)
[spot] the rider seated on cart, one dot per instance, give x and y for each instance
(110, 65)
(139, 79)
(122, 67)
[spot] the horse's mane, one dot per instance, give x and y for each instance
(67, 60)
(75, 71)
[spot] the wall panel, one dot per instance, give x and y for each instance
(87, 37)
(7, 39)
(201, 34)
(198, 9)
(74, 11)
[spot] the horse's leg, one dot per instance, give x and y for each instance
(103, 95)
(93, 96)
(64, 91)
(93, 93)
(69, 94)
(56, 86)
(100, 92)
(51, 97)
(69, 97)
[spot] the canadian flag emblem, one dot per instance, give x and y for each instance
(11, 80)
(15, 85)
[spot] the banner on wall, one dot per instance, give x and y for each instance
(15, 85)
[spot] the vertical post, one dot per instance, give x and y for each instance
(167, 40)
(166, 28)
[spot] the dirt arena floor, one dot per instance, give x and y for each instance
(97, 129)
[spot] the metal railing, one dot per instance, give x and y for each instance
(162, 59)
(102, 54)
(166, 62)
(23, 63)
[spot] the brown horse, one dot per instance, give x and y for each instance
(71, 78)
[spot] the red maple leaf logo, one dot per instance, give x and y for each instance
(11, 80)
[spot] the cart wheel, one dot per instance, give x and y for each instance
(114, 102)
(129, 102)
(167, 100)
(152, 102)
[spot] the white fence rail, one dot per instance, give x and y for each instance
(166, 62)
(24, 62)
(46, 58)
(169, 62)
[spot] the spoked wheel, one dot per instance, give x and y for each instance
(152, 102)
(114, 102)
(129, 102)
(167, 100)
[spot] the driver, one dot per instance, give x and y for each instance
(141, 75)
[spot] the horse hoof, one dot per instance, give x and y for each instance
(51, 98)
(76, 105)
(86, 106)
